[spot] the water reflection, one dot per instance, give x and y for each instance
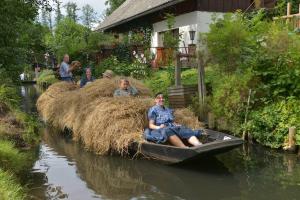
(117, 178)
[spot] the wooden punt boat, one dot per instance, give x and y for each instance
(215, 143)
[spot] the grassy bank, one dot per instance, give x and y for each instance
(17, 131)
(9, 187)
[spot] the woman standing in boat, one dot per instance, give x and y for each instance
(162, 127)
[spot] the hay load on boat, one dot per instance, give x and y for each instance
(103, 123)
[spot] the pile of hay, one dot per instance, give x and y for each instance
(101, 122)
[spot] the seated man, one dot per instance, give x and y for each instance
(162, 127)
(108, 74)
(87, 78)
(125, 89)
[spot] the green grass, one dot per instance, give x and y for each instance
(9, 188)
(10, 157)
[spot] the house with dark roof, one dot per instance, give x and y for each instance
(190, 15)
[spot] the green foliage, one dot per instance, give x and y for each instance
(16, 24)
(113, 64)
(189, 77)
(9, 96)
(69, 37)
(231, 44)
(137, 69)
(11, 159)
(31, 127)
(279, 68)
(159, 82)
(269, 125)
(9, 188)
(249, 52)
(230, 93)
(46, 77)
(122, 52)
(170, 39)
(281, 6)
(141, 37)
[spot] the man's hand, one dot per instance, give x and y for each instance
(161, 126)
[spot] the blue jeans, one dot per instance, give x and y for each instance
(162, 135)
(67, 79)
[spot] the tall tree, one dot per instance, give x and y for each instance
(44, 17)
(72, 9)
(89, 16)
(112, 5)
(49, 17)
(58, 13)
(16, 18)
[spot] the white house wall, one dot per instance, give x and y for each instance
(197, 20)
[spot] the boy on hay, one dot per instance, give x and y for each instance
(162, 127)
(125, 89)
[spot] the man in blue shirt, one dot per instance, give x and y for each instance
(162, 127)
(64, 69)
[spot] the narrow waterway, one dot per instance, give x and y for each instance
(64, 170)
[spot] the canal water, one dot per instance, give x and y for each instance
(64, 170)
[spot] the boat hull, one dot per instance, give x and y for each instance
(172, 155)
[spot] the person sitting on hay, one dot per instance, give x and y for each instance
(88, 78)
(162, 127)
(125, 89)
(108, 74)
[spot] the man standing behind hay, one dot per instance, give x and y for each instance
(64, 69)
(162, 127)
(125, 89)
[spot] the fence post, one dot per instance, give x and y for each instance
(178, 71)
(291, 146)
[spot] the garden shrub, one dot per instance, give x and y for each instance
(159, 82)
(9, 96)
(136, 69)
(46, 76)
(229, 98)
(189, 77)
(269, 125)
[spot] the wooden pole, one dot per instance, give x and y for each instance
(258, 4)
(292, 138)
(245, 135)
(201, 87)
(288, 11)
(291, 146)
(298, 24)
(178, 71)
